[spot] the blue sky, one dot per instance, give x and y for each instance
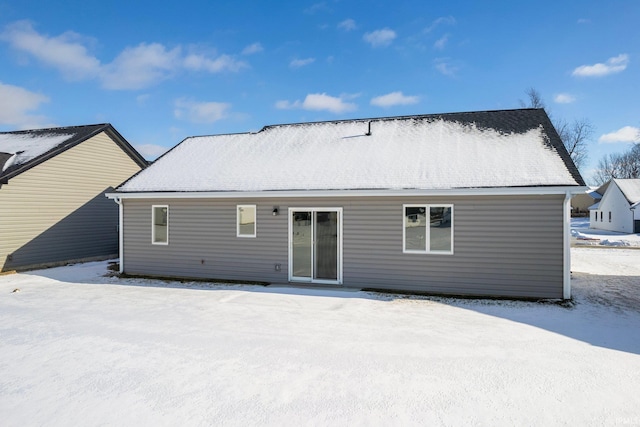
(162, 71)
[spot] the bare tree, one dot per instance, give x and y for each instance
(625, 165)
(574, 135)
(534, 99)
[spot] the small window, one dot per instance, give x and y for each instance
(160, 225)
(428, 229)
(246, 221)
(609, 216)
(600, 216)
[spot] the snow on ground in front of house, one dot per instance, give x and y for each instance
(79, 348)
(583, 235)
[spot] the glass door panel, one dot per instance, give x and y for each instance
(301, 243)
(326, 245)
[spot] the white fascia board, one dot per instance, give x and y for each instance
(502, 191)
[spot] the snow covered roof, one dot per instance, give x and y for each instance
(26, 146)
(21, 150)
(508, 148)
(630, 188)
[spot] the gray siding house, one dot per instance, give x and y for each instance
(52, 186)
(471, 203)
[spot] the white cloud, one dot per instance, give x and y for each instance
(625, 134)
(200, 112)
(443, 20)
(297, 63)
(445, 67)
(320, 102)
(380, 38)
(66, 53)
(134, 68)
(613, 65)
(441, 42)
(564, 98)
(252, 48)
(287, 105)
(347, 25)
(222, 63)
(317, 7)
(141, 66)
(150, 151)
(17, 103)
(142, 99)
(394, 98)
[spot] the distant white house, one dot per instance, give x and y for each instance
(619, 208)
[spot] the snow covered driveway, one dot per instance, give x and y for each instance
(78, 348)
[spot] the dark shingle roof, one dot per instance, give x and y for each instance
(506, 148)
(19, 150)
(504, 121)
(518, 121)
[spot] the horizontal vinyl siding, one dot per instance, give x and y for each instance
(503, 245)
(203, 242)
(57, 210)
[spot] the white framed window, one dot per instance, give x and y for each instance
(246, 221)
(160, 224)
(427, 229)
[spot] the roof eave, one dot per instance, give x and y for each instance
(485, 191)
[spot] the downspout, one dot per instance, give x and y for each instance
(118, 200)
(566, 261)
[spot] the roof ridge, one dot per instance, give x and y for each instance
(374, 119)
(406, 116)
(57, 128)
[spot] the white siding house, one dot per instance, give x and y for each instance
(619, 208)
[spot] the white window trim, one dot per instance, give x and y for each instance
(153, 225)
(255, 221)
(428, 229)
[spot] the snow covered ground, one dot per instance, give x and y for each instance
(583, 235)
(79, 348)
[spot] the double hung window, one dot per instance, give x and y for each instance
(428, 229)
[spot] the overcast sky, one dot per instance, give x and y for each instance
(162, 71)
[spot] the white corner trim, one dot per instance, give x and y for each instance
(566, 262)
(119, 201)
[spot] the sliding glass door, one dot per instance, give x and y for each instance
(315, 245)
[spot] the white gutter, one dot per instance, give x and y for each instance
(500, 191)
(566, 241)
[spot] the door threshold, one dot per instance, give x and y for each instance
(314, 286)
